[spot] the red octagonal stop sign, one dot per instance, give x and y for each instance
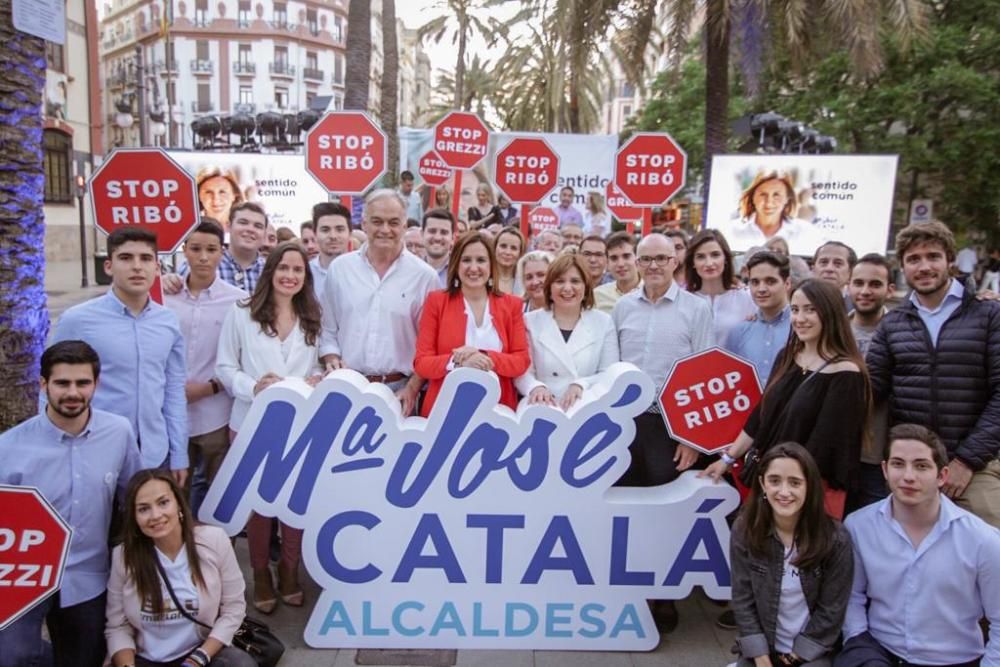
(346, 152)
(461, 139)
(619, 205)
(542, 218)
(650, 168)
(433, 169)
(707, 398)
(145, 187)
(34, 541)
(527, 169)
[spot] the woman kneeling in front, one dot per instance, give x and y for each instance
(165, 551)
(792, 566)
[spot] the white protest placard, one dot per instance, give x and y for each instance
(477, 527)
(41, 18)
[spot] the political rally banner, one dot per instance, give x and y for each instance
(586, 161)
(278, 182)
(819, 198)
(477, 527)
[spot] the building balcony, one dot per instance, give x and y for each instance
(203, 67)
(282, 69)
(198, 106)
(313, 74)
(243, 22)
(244, 68)
(201, 21)
(281, 24)
(165, 67)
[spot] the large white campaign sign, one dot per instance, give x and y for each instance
(586, 161)
(846, 198)
(478, 526)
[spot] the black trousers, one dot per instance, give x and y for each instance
(652, 453)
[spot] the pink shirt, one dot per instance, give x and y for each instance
(201, 319)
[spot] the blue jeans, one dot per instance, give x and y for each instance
(77, 634)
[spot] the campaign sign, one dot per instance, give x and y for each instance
(477, 527)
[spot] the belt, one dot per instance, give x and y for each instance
(388, 378)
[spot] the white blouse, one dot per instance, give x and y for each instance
(246, 354)
(729, 310)
(485, 336)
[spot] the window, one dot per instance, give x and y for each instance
(281, 98)
(201, 47)
(338, 28)
(54, 57)
(204, 97)
(626, 111)
(171, 56)
(201, 13)
(338, 69)
(280, 15)
(58, 147)
(244, 56)
(246, 94)
(628, 90)
(311, 21)
(244, 13)
(312, 60)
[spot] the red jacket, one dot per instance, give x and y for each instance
(442, 329)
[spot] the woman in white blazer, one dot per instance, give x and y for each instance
(571, 343)
(271, 336)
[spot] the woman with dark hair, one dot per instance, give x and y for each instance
(792, 566)
(571, 342)
(166, 550)
(271, 336)
(709, 273)
(818, 395)
(508, 246)
(471, 324)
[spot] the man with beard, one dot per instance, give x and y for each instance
(936, 358)
(439, 237)
(78, 457)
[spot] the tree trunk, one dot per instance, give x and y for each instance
(359, 55)
(24, 318)
(716, 85)
(463, 33)
(390, 85)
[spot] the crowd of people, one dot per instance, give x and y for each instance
(870, 528)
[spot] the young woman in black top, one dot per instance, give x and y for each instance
(818, 394)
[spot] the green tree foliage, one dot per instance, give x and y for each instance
(937, 105)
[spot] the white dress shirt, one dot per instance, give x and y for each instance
(653, 335)
(246, 354)
(372, 322)
(557, 363)
(201, 319)
(484, 336)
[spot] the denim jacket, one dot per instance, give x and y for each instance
(757, 589)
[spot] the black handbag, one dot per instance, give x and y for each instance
(253, 637)
(751, 463)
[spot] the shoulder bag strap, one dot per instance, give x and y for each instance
(173, 596)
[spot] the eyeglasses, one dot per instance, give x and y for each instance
(646, 260)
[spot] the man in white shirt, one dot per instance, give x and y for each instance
(201, 307)
(333, 238)
(439, 237)
(414, 207)
(373, 299)
(925, 570)
(966, 261)
(658, 324)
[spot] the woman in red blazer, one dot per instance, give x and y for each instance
(471, 324)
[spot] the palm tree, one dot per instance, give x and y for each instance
(478, 91)
(357, 75)
(458, 17)
(390, 86)
(762, 27)
(24, 319)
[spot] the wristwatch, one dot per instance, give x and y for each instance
(215, 386)
(727, 459)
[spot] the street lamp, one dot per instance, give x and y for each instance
(124, 118)
(81, 190)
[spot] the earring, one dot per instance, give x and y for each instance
(489, 283)
(180, 516)
(456, 282)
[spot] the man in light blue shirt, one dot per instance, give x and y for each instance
(414, 206)
(78, 458)
(141, 350)
(760, 340)
(925, 570)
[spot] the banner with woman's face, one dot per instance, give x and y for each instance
(804, 199)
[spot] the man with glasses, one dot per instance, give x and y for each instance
(658, 324)
(373, 299)
(594, 251)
